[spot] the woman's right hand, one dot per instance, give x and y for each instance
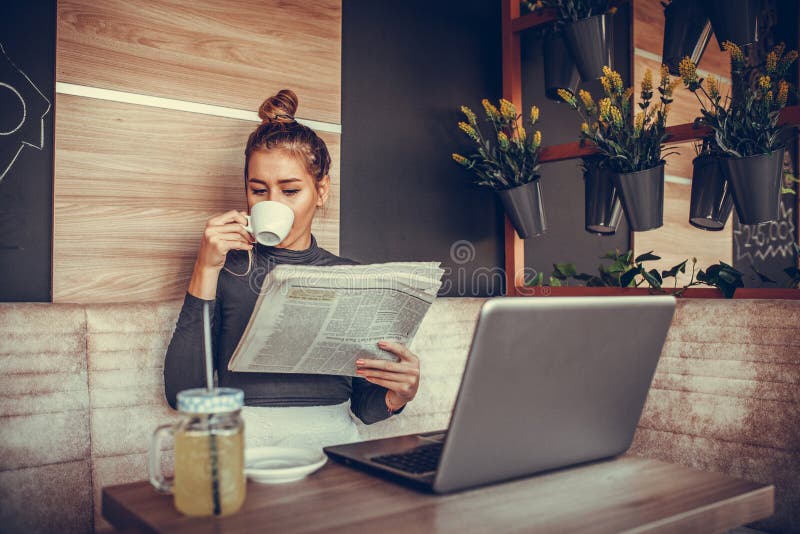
(223, 233)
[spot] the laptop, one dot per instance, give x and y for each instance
(549, 382)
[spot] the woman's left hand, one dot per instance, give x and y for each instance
(400, 378)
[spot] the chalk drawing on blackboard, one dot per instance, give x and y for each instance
(767, 240)
(24, 110)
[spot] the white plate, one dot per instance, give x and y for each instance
(276, 465)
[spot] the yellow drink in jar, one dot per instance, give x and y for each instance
(209, 472)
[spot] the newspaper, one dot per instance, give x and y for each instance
(312, 319)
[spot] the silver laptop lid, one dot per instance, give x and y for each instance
(550, 382)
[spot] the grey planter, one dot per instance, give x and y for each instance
(712, 201)
(687, 31)
(602, 208)
(524, 207)
(756, 185)
(642, 196)
(560, 71)
(590, 41)
(734, 21)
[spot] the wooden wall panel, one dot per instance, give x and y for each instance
(232, 53)
(134, 186)
(677, 239)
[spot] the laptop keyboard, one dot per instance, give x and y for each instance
(422, 459)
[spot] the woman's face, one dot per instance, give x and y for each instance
(276, 175)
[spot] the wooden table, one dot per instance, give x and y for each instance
(628, 493)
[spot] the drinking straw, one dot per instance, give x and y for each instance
(207, 343)
(212, 438)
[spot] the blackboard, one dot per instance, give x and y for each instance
(27, 91)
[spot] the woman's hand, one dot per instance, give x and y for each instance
(400, 378)
(223, 233)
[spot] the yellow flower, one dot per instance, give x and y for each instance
(470, 115)
(606, 84)
(521, 133)
(613, 77)
(491, 110)
(507, 109)
(734, 50)
(537, 139)
(769, 98)
(502, 139)
(616, 116)
(688, 71)
(605, 108)
(534, 114)
(469, 130)
(460, 159)
(664, 73)
(638, 122)
(568, 97)
(773, 57)
(783, 92)
(586, 98)
(772, 62)
(647, 82)
(585, 128)
(713, 87)
(764, 82)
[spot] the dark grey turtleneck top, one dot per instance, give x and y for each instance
(230, 312)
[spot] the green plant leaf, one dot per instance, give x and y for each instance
(627, 277)
(562, 271)
(673, 271)
(537, 280)
(647, 256)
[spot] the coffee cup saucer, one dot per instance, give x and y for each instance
(276, 465)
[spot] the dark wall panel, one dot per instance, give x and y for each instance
(406, 69)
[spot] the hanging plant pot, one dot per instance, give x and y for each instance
(560, 71)
(642, 196)
(712, 201)
(734, 21)
(756, 185)
(524, 207)
(687, 31)
(602, 209)
(590, 41)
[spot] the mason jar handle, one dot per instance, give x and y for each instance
(157, 479)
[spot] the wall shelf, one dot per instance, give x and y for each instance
(512, 25)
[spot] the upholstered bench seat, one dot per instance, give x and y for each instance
(81, 391)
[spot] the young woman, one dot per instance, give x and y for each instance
(284, 162)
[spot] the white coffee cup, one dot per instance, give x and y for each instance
(270, 222)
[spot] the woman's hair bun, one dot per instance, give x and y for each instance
(279, 108)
